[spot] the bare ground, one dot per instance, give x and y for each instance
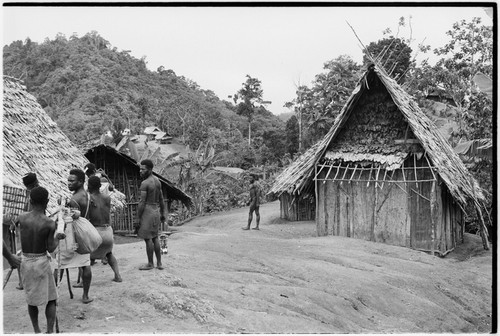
(281, 279)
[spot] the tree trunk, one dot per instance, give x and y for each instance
(249, 132)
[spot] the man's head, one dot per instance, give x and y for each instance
(89, 169)
(39, 197)
(30, 181)
(94, 183)
(76, 179)
(146, 168)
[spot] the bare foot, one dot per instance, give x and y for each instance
(117, 279)
(146, 267)
(87, 300)
(255, 228)
(78, 285)
(160, 267)
(245, 228)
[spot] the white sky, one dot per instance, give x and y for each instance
(218, 46)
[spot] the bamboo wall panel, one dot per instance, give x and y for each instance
(391, 224)
(363, 197)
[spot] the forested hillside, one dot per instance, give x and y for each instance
(89, 87)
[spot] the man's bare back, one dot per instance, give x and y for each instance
(37, 233)
(99, 209)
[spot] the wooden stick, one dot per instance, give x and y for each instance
(383, 179)
(369, 177)
(353, 172)
(415, 166)
(430, 167)
(433, 221)
(345, 172)
(328, 174)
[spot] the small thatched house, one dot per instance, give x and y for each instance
(384, 173)
(32, 142)
(123, 172)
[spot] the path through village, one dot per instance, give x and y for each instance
(281, 279)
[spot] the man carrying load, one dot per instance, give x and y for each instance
(80, 202)
(99, 215)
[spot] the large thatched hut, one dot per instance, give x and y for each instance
(32, 142)
(123, 172)
(384, 173)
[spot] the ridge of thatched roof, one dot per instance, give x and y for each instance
(32, 142)
(298, 176)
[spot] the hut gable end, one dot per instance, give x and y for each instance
(375, 126)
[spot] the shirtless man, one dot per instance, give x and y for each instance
(79, 200)
(148, 214)
(99, 215)
(254, 204)
(37, 240)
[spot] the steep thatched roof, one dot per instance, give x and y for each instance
(32, 142)
(298, 177)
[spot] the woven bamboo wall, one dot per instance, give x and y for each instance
(297, 209)
(396, 213)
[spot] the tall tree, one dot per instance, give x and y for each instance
(250, 97)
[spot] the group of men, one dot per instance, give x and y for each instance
(39, 242)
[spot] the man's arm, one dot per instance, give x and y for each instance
(162, 206)
(14, 261)
(52, 242)
(142, 200)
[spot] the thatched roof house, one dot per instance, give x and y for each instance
(381, 137)
(32, 142)
(123, 172)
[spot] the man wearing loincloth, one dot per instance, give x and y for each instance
(79, 201)
(37, 241)
(99, 215)
(151, 212)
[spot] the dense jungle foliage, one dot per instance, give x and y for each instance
(89, 87)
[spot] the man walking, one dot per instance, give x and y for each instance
(37, 241)
(99, 215)
(151, 212)
(254, 204)
(79, 201)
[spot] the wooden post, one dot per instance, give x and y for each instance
(482, 227)
(433, 220)
(374, 221)
(316, 194)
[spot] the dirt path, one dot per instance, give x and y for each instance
(281, 279)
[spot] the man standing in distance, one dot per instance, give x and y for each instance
(37, 241)
(80, 200)
(151, 212)
(254, 204)
(99, 215)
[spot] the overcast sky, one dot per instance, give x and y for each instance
(218, 46)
